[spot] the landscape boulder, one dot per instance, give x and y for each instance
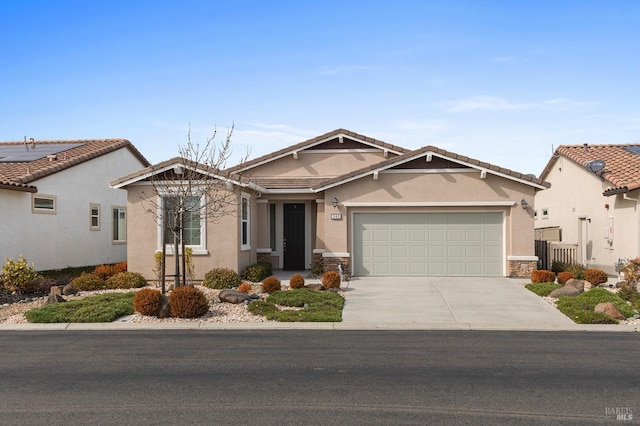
(68, 290)
(609, 309)
(318, 287)
(232, 296)
(54, 298)
(577, 284)
(55, 290)
(567, 290)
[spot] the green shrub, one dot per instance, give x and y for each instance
(318, 306)
(631, 270)
(271, 284)
(542, 289)
(317, 269)
(257, 272)
(296, 281)
(331, 279)
(126, 280)
(557, 266)
(188, 302)
(18, 276)
(576, 270)
(629, 293)
(88, 282)
(563, 277)
(101, 308)
(574, 307)
(221, 278)
(148, 302)
(595, 276)
(542, 276)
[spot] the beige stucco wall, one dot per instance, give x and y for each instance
(576, 193)
(316, 164)
(433, 187)
(222, 237)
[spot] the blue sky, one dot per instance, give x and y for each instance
(500, 81)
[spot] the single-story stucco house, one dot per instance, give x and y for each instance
(593, 203)
(342, 197)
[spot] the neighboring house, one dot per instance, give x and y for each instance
(376, 208)
(56, 206)
(592, 203)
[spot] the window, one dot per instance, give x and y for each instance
(94, 217)
(545, 213)
(43, 203)
(535, 214)
(193, 235)
(244, 222)
(119, 225)
(272, 227)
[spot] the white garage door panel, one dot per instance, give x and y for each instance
(419, 244)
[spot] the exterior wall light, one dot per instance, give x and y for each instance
(334, 202)
(524, 204)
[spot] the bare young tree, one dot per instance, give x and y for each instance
(188, 189)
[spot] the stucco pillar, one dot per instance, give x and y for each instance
(263, 225)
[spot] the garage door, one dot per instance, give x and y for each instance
(427, 244)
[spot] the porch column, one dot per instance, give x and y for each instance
(318, 246)
(264, 250)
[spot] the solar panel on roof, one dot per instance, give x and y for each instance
(634, 149)
(22, 154)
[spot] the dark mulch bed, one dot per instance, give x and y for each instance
(9, 298)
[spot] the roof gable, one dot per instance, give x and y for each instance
(622, 164)
(434, 158)
(24, 163)
(334, 141)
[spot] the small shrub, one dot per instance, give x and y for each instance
(104, 272)
(188, 302)
(245, 288)
(101, 308)
(629, 293)
(188, 261)
(296, 281)
(88, 282)
(577, 270)
(257, 272)
(563, 277)
(631, 270)
(221, 278)
(271, 284)
(557, 266)
(18, 276)
(147, 302)
(317, 269)
(331, 279)
(595, 276)
(126, 280)
(157, 265)
(542, 276)
(120, 267)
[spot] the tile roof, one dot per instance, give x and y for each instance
(622, 167)
(310, 143)
(18, 175)
(389, 163)
(288, 183)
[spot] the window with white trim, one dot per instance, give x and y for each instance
(94, 216)
(245, 228)
(41, 203)
(119, 225)
(193, 223)
(545, 213)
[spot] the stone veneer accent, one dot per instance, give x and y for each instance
(331, 264)
(522, 268)
(264, 257)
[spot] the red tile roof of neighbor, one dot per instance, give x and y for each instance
(622, 166)
(18, 175)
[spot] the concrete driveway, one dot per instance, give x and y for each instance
(448, 303)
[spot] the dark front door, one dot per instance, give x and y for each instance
(294, 237)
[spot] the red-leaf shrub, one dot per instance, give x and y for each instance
(542, 276)
(188, 302)
(271, 284)
(147, 301)
(331, 279)
(296, 281)
(563, 277)
(596, 276)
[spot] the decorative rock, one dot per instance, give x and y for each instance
(54, 298)
(621, 284)
(55, 290)
(577, 284)
(165, 309)
(318, 287)
(567, 290)
(609, 309)
(232, 296)
(68, 290)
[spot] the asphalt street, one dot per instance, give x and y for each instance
(317, 377)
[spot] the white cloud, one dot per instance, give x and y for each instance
(493, 103)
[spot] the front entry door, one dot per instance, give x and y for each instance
(293, 242)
